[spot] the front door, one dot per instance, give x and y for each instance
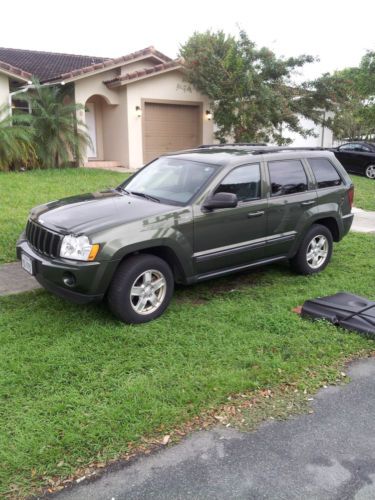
(232, 236)
(91, 129)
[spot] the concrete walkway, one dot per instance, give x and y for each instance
(364, 222)
(14, 280)
(329, 454)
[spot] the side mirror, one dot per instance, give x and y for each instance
(220, 200)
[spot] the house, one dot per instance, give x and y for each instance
(136, 107)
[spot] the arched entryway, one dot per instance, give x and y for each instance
(97, 110)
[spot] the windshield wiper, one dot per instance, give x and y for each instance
(123, 190)
(144, 195)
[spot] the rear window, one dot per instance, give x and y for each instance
(325, 173)
(287, 177)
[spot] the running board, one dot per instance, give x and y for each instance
(230, 270)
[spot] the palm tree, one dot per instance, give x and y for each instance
(15, 139)
(59, 136)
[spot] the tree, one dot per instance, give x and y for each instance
(252, 92)
(355, 116)
(15, 140)
(58, 135)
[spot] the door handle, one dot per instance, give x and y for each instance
(309, 202)
(256, 214)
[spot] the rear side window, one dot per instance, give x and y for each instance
(347, 147)
(325, 173)
(287, 177)
(242, 181)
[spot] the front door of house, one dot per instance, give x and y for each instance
(91, 129)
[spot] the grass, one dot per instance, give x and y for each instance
(78, 386)
(364, 192)
(20, 191)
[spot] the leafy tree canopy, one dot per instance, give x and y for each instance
(59, 136)
(15, 140)
(355, 116)
(253, 93)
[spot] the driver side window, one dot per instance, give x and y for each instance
(243, 181)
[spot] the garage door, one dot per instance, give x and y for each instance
(170, 127)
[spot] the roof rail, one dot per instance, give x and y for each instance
(279, 149)
(232, 144)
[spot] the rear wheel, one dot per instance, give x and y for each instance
(141, 289)
(315, 251)
(370, 171)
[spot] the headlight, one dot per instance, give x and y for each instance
(78, 248)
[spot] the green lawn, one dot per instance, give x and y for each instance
(77, 386)
(364, 192)
(19, 192)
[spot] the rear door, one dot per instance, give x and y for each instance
(232, 236)
(292, 197)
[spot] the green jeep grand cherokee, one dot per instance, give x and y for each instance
(188, 217)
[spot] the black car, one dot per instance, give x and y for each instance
(357, 157)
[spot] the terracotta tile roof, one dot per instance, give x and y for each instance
(46, 65)
(9, 68)
(52, 66)
(108, 63)
(142, 73)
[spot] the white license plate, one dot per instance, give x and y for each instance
(27, 263)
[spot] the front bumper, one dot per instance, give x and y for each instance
(91, 279)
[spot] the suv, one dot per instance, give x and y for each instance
(188, 217)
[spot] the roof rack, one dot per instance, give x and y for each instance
(233, 144)
(280, 149)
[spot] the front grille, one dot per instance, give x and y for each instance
(43, 240)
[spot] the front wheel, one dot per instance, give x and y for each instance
(141, 289)
(370, 172)
(315, 251)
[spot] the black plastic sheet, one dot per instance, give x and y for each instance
(343, 309)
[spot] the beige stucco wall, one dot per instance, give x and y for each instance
(4, 89)
(118, 129)
(115, 130)
(110, 111)
(167, 86)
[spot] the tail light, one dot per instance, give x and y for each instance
(351, 196)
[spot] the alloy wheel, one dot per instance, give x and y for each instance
(317, 251)
(370, 172)
(148, 291)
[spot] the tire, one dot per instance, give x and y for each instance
(370, 171)
(314, 252)
(141, 289)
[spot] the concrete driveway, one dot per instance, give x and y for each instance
(364, 222)
(329, 454)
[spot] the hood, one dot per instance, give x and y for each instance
(89, 212)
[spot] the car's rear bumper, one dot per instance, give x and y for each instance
(89, 280)
(347, 221)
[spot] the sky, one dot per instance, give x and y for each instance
(338, 32)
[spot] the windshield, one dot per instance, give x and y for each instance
(171, 180)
